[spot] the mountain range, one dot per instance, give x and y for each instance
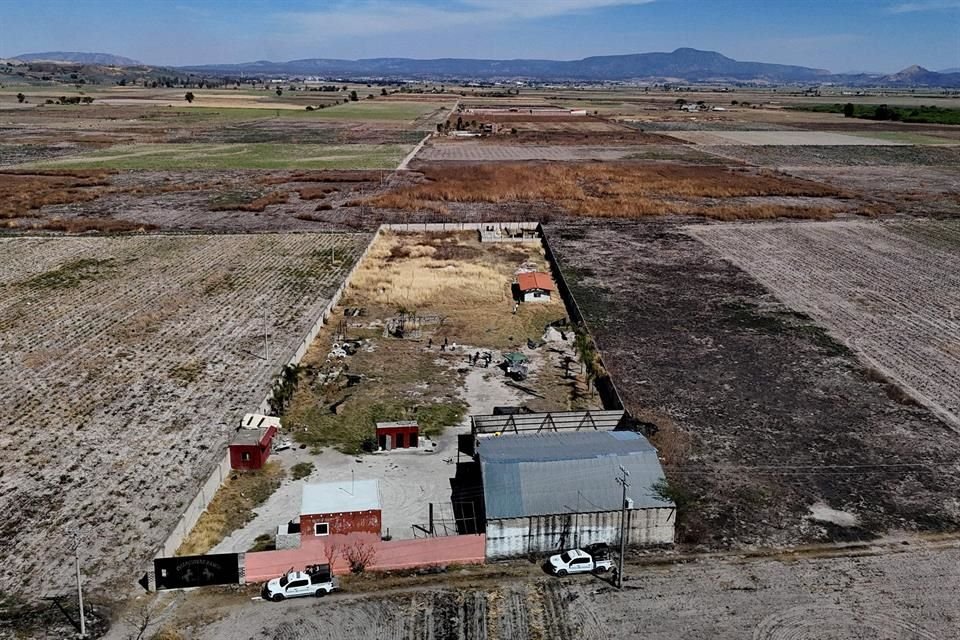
(680, 65)
(77, 57)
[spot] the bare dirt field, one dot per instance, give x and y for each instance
(880, 593)
(126, 364)
(888, 291)
(841, 156)
(80, 200)
(763, 419)
(780, 138)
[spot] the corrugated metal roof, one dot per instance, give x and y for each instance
(551, 473)
(535, 280)
(340, 497)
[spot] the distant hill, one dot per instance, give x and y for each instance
(690, 65)
(913, 76)
(76, 57)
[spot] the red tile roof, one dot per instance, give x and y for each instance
(535, 280)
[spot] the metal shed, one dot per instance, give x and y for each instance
(552, 491)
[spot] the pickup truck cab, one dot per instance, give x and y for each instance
(316, 581)
(578, 561)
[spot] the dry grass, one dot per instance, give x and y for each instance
(332, 175)
(465, 287)
(24, 193)
(85, 225)
(612, 189)
(316, 193)
(258, 204)
(427, 273)
(232, 507)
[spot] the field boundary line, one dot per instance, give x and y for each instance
(406, 161)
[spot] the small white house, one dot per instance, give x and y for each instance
(535, 286)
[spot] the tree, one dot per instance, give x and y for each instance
(189, 96)
(279, 92)
(383, 91)
(848, 110)
(21, 98)
(883, 112)
(359, 555)
(353, 96)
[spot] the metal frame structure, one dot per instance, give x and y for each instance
(596, 420)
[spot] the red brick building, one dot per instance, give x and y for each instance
(340, 508)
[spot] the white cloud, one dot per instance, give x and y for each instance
(924, 5)
(372, 17)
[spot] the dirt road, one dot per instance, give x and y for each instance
(902, 591)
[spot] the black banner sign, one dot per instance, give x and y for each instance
(197, 571)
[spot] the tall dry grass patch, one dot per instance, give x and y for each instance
(429, 272)
(24, 192)
(618, 190)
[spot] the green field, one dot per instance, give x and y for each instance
(160, 157)
(898, 113)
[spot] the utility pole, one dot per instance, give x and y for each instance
(76, 555)
(623, 524)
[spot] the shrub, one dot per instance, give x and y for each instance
(301, 470)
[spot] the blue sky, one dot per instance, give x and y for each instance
(839, 35)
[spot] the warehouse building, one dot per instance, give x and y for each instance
(559, 490)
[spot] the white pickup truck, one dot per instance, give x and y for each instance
(314, 581)
(579, 561)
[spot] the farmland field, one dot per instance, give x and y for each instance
(478, 152)
(780, 138)
(235, 156)
(126, 364)
(890, 292)
(764, 419)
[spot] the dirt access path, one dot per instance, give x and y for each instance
(885, 592)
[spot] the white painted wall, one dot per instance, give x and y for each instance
(536, 296)
(545, 534)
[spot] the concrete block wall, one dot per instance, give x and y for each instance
(196, 507)
(606, 389)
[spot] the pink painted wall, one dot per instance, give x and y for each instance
(395, 554)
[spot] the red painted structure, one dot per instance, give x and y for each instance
(340, 508)
(251, 448)
(261, 566)
(397, 435)
(341, 523)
